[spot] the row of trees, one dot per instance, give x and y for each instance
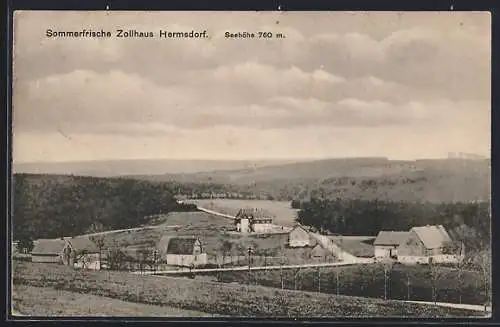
(360, 217)
(46, 206)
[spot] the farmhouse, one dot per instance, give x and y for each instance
(85, 253)
(259, 220)
(387, 242)
(182, 251)
(428, 244)
(299, 237)
(52, 251)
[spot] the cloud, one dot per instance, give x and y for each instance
(376, 74)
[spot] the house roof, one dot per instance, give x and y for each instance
(298, 226)
(390, 237)
(433, 236)
(181, 245)
(255, 213)
(81, 243)
(46, 246)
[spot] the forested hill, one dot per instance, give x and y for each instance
(50, 206)
(443, 180)
(467, 222)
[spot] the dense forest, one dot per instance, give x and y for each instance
(447, 180)
(469, 222)
(50, 206)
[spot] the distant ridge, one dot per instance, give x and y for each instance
(110, 168)
(434, 180)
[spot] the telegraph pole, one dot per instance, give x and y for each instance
(319, 279)
(408, 286)
(337, 282)
(385, 282)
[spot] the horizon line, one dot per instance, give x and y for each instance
(466, 156)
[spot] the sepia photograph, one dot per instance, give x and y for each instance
(294, 165)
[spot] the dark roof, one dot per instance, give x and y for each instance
(83, 243)
(390, 238)
(181, 245)
(254, 213)
(52, 246)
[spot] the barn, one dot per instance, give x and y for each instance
(299, 237)
(182, 251)
(387, 242)
(426, 244)
(51, 251)
(85, 253)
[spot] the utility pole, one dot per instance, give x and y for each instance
(337, 281)
(319, 279)
(250, 250)
(408, 288)
(281, 272)
(385, 282)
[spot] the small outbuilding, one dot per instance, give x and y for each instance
(299, 237)
(185, 251)
(387, 242)
(320, 254)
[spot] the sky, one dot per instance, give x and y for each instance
(343, 84)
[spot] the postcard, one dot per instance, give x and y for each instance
(211, 165)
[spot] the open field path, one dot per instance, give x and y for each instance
(473, 307)
(246, 268)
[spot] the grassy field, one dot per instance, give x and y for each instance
(217, 298)
(49, 302)
(213, 232)
(175, 223)
(284, 214)
(368, 281)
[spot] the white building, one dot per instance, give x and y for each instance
(259, 220)
(182, 251)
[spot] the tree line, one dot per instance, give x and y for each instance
(470, 220)
(48, 206)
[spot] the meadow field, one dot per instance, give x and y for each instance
(367, 280)
(50, 302)
(214, 233)
(216, 298)
(284, 214)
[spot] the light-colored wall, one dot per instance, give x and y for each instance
(298, 238)
(446, 258)
(186, 259)
(44, 258)
(409, 259)
(382, 251)
(89, 261)
(262, 228)
(244, 226)
(412, 247)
